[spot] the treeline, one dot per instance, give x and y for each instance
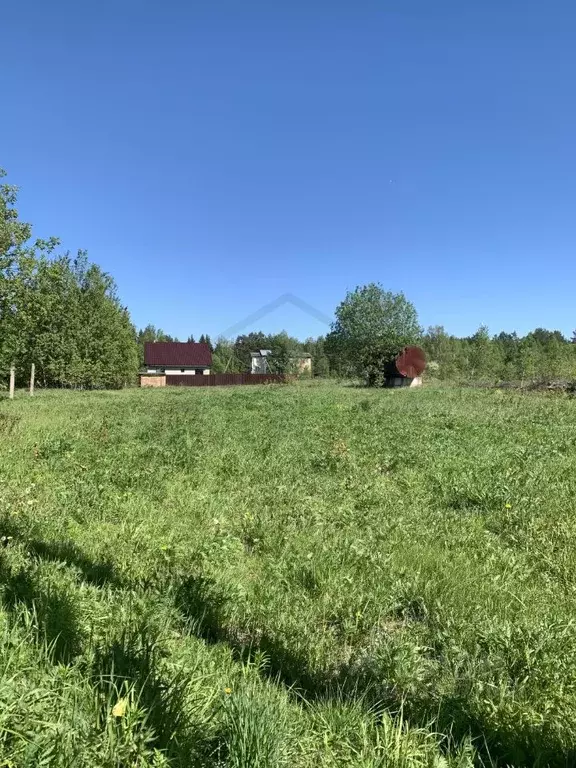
(372, 325)
(63, 314)
(60, 312)
(539, 356)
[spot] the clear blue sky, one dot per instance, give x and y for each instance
(215, 154)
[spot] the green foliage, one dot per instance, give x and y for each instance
(60, 313)
(320, 362)
(284, 353)
(225, 359)
(372, 325)
(539, 356)
(247, 343)
(204, 339)
(484, 357)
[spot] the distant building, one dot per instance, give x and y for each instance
(174, 357)
(259, 361)
(302, 363)
(262, 361)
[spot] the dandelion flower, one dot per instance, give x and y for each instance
(228, 690)
(507, 506)
(120, 707)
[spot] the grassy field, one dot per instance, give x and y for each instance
(301, 575)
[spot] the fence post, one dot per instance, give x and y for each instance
(12, 381)
(32, 374)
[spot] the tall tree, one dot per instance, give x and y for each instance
(284, 351)
(445, 353)
(320, 362)
(224, 358)
(247, 343)
(372, 325)
(484, 357)
(106, 339)
(17, 258)
(63, 315)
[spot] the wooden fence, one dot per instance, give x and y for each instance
(223, 379)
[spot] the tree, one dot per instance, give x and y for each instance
(224, 359)
(204, 339)
(372, 325)
(530, 357)
(62, 314)
(320, 366)
(320, 362)
(543, 336)
(484, 356)
(190, 339)
(446, 352)
(284, 351)
(552, 355)
(247, 343)
(106, 339)
(17, 259)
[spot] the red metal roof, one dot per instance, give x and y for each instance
(181, 354)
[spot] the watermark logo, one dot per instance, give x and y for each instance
(285, 298)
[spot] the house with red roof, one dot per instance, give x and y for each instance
(177, 358)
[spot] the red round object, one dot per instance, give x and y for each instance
(411, 362)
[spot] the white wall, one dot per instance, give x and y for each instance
(173, 371)
(259, 365)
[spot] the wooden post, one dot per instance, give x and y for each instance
(12, 381)
(32, 372)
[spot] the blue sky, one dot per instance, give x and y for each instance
(214, 154)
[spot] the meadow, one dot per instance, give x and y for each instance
(300, 575)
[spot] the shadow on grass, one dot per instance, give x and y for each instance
(56, 616)
(205, 609)
(133, 661)
(96, 572)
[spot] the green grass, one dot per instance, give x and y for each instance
(302, 575)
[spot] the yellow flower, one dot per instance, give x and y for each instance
(228, 690)
(119, 709)
(508, 506)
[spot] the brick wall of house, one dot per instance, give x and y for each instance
(152, 381)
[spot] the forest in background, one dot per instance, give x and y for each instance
(63, 313)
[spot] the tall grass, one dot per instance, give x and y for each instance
(287, 576)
